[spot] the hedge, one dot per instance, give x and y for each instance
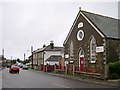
(114, 70)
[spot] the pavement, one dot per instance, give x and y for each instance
(87, 79)
(90, 80)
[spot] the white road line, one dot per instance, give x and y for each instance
(60, 85)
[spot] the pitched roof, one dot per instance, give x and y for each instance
(54, 58)
(107, 25)
(48, 48)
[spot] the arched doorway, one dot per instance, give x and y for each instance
(81, 59)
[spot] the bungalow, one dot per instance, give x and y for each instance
(53, 60)
(92, 43)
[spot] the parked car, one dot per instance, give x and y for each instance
(25, 67)
(21, 65)
(14, 69)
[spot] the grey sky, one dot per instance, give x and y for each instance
(26, 24)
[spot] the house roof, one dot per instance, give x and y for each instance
(107, 25)
(39, 49)
(48, 48)
(54, 58)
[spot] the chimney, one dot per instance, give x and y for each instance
(51, 45)
(44, 45)
(79, 8)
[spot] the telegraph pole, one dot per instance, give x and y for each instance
(11, 60)
(2, 54)
(32, 55)
(3, 63)
(24, 56)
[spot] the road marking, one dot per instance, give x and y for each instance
(60, 85)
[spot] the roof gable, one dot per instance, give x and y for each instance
(105, 26)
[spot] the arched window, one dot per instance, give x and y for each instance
(71, 50)
(92, 50)
(81, 53)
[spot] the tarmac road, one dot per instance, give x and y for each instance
(34, 79)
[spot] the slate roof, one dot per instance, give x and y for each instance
(108, 26)
(48, 48)
(54, 58)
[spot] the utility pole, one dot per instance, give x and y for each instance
(3, 63)
(11, 60)
(24, 56)
(32, 55)
(2, 54)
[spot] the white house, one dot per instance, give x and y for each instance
(41, 55)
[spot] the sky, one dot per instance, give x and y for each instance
(26, 23)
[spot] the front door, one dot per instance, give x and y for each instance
(81, 59)
(42, 67)
(81, 63)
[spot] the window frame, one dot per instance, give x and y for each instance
(93, 50)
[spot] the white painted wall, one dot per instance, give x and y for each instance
(49, 53)
(66, 62)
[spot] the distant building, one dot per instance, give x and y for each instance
(92, 43)
(0, 60)
(0, 57)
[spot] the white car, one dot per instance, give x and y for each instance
(25, 67)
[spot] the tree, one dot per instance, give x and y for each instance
(13, 61)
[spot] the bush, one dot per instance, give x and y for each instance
(114, 70)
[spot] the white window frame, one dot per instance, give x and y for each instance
(92, 51)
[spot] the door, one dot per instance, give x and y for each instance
(81, 59)
(81, 63)
(42, 67)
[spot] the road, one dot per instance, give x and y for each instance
(35, 79)
(0, 79)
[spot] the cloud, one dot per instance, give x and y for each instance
(26, 24)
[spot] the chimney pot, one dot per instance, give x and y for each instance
(51, 45)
